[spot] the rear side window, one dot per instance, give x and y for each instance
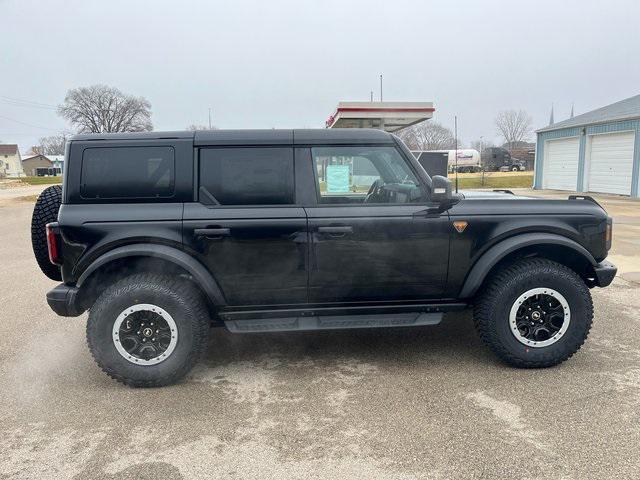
(247, 176)
(127, 172)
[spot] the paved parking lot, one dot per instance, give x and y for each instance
(425, 403)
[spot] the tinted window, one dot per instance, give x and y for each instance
(127, 172)
(248, 176)
(364, 175)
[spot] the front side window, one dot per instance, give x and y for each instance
(364, 175)
(247, 176)
(127, 172)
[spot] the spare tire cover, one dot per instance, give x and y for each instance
(45, 211)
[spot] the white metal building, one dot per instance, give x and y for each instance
(598, 151)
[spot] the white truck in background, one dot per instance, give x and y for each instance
(468, 160)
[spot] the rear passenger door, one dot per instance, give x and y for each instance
(245, 226)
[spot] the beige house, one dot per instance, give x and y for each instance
(39, 165)
(11, 161)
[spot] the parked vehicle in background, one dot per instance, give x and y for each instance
(433, 162)
(526, 153)
(162, 235)
(468, 160)
(516, 165)
(498, 159)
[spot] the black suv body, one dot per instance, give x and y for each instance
(272, 230)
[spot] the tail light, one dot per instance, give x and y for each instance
(52, 243)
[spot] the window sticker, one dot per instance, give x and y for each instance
(338, 179)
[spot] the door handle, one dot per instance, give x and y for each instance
(336, 230)
(212, 232)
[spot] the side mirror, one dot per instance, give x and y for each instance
(441, 189)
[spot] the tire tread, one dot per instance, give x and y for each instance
(165, 285)
(493, 293)
(45, 211)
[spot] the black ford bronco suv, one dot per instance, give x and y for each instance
(162, 235)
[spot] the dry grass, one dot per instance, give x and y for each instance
(510, 180)
(41, 180)
(494, 174)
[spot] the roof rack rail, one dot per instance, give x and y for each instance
(504, 190)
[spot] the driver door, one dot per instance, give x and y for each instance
(371, 238)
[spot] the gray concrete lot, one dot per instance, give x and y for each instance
(427, 403)
(11, 194)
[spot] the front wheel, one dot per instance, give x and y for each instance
(148, 330)
(534, 313)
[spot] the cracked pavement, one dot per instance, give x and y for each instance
(421, 403)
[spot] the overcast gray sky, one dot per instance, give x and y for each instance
(263, 64)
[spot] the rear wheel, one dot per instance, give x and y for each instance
(45, 211)
(534, 313)
(148, 330)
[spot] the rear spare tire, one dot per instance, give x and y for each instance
(45, 211)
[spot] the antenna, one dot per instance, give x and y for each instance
(209, 118)
(372, 95)
(455, 136)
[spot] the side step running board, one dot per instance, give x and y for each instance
(332, 322)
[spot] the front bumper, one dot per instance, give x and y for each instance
(605, 272)
(64, 301)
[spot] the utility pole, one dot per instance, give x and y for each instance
(372, 95)
(455, 134)
(209, 118)
(481, 163)
(380, 87)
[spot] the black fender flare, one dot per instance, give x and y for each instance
(497, 252)
(200, 274)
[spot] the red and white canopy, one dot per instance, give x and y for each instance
(388, 116)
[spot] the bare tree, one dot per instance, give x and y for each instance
(514, 126)
(193, 127)
(100, 108)
(53, 145)
(480, 145)
(428, 135)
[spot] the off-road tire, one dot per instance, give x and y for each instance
(175, 295)
(45, 211)
(491, 312)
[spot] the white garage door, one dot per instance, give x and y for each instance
(560, 168)
(610, 163)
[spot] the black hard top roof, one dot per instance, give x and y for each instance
(256, 137)
(131, 136)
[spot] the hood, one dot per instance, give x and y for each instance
(492, 195)
(486, 202)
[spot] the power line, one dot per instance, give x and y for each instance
(30, 125)
(17, 134)
(4, 102)
(27, 102)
